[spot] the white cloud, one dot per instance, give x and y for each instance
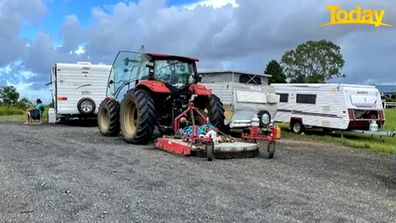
(15, 71)
(5, 70)
(27, 91)
(79, 51)
(18, 75)
(13, 15)
(20, 86)
(213, 4)
(26, 74)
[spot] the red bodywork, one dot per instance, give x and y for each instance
(154, 86)
(159, 87)
(254, 135)
(199, 89)
(173, 146)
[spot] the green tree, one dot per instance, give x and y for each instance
(276, 71)
(24, 103)
(9, 95)
(313, 62)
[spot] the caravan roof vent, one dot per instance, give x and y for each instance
(84, 63)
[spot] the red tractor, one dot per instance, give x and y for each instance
(147, 91)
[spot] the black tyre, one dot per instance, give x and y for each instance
(137, 117)
(86, 106)
(215, 111)
(265, 118)
(209, 152)
(270, 150)
(109, 117)
(297, 127)
(326, 131)
(267, 150)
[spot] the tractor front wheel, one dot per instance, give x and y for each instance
(137, 117)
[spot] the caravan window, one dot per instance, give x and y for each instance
(283, 98)
(249, 79)
(306, 98)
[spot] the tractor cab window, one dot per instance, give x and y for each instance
(123, 73)
(177, 73)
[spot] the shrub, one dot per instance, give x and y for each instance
(11, 110)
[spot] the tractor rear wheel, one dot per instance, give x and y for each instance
(108, 117)
(137, 117)
(215, 111)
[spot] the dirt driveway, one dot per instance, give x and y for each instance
(72, 174)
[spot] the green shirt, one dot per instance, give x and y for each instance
(39, 107)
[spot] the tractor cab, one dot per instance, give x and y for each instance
(175, 71)
(129, 68)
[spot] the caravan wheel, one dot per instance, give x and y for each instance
(86, 106)
(297, 127)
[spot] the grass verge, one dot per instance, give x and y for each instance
(11, 110)
(351, 139)
(356, 140)
(19, 115)
(390, 122)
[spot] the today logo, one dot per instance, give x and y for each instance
(357, 16)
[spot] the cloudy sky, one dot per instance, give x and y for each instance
(223, 34)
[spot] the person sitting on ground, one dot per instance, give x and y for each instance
(34, 112)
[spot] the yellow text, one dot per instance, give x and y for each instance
(356, 16)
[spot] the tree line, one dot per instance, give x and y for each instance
(310, 62)
(9, 96)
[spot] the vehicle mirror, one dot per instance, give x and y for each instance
(111, 82)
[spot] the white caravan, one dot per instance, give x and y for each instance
(243, 102)
(329, 106)
(78, 88)
(245, 96)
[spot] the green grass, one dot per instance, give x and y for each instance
(6, 110)
(14, 114)
(356, 140)
(390, 116)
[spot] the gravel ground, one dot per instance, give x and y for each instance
(72, 174)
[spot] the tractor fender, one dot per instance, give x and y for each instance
(154, 86)
(200, 90)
